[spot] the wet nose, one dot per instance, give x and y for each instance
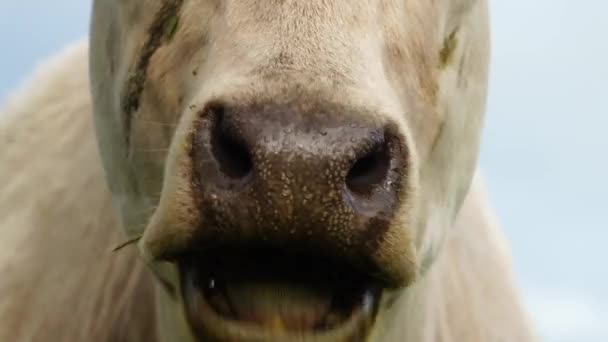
(320, 177)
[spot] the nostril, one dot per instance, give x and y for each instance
(369, 171)
(230, 152)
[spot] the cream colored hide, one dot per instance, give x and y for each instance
(418, 67)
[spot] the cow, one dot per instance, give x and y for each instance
(279, 170)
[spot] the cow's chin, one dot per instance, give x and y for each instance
(265, 295)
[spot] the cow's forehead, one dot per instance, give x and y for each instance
(348, 15)
(347, 42)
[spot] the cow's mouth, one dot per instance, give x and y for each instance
(265, 295)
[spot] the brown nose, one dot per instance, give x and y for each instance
(297, 178)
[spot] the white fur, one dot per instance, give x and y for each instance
(61, 282)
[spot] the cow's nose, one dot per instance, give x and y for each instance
(295, 176)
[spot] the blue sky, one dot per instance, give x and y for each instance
(544, 151)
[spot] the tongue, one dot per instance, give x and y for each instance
(279, 306)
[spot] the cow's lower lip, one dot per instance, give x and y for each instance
(265, 296)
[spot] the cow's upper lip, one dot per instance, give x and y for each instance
(265, 294)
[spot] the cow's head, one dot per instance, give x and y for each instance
(293, 166)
